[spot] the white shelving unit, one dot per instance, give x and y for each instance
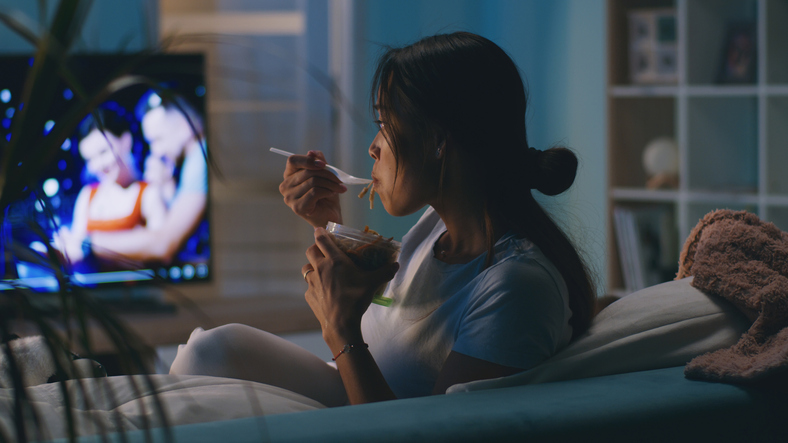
(732, 138)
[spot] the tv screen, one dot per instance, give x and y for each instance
(125, 199)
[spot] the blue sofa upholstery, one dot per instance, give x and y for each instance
(656, 405)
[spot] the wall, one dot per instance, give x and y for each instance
(560, 48)
(103, 30)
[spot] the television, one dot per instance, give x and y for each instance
(132, 196)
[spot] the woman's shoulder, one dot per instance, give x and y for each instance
(520, 265)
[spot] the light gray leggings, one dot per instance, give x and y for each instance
(243, 352)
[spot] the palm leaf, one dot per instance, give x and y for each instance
(40, 86)
(22, 161)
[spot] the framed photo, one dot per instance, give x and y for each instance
(739, 55)
(652, 46)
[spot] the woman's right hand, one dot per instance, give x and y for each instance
(312, 191)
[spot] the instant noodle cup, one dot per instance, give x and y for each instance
(368, 250)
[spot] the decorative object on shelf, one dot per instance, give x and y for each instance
(647, 241)
(738, 64)
(661, 162)
(653, 54)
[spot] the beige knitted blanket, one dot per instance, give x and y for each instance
(737, 256)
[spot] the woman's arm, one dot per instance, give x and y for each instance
(69, 240)
(339, 294)
(153, 208)
(364, 383)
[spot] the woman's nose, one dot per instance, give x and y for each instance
(374, 150)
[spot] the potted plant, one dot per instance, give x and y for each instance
(23, 157)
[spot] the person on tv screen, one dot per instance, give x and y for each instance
(160, 172)
(174, 132)
(117, 201)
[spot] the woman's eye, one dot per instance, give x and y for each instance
(380, 124)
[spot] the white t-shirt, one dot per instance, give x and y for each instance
(514, 313)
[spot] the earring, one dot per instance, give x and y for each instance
(439, 151)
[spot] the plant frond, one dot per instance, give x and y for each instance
(21, 25)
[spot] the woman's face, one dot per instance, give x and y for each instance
(168, 132)
(104, 153)
(410, 191)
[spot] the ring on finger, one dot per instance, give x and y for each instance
(307, 273)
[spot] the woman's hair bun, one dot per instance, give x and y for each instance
(555, 170)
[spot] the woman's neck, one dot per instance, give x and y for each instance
(461, 207)
(125, 178)
(465, 237)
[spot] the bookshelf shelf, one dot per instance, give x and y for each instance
(721, 91)
(727, 120)
(637, 194)
(643, 91)
(664, 196)
(697, 91)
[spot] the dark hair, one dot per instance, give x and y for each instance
(111, 118)
(170, 102)
(464, 87)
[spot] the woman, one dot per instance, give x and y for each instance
(488, 286)
(117, 201)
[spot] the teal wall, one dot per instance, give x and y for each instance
(110, 25)
(559, 46)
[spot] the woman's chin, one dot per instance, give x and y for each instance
(401, 211)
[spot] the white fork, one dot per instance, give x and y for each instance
(344, 177)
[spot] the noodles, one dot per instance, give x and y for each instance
(371, 194)
(368, 250)
(371, 231)
(364, 191)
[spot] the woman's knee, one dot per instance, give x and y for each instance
(208, 352)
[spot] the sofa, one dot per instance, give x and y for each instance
(623, 380)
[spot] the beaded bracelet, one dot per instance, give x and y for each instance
(347, 348)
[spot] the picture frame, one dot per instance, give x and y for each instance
(738, 64)
(653, 53)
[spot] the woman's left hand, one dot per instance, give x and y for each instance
(339, 292)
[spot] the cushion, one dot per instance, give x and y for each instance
(127, 401)
(657, 327)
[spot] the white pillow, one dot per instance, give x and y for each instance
(104, 404)
(658, 327)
